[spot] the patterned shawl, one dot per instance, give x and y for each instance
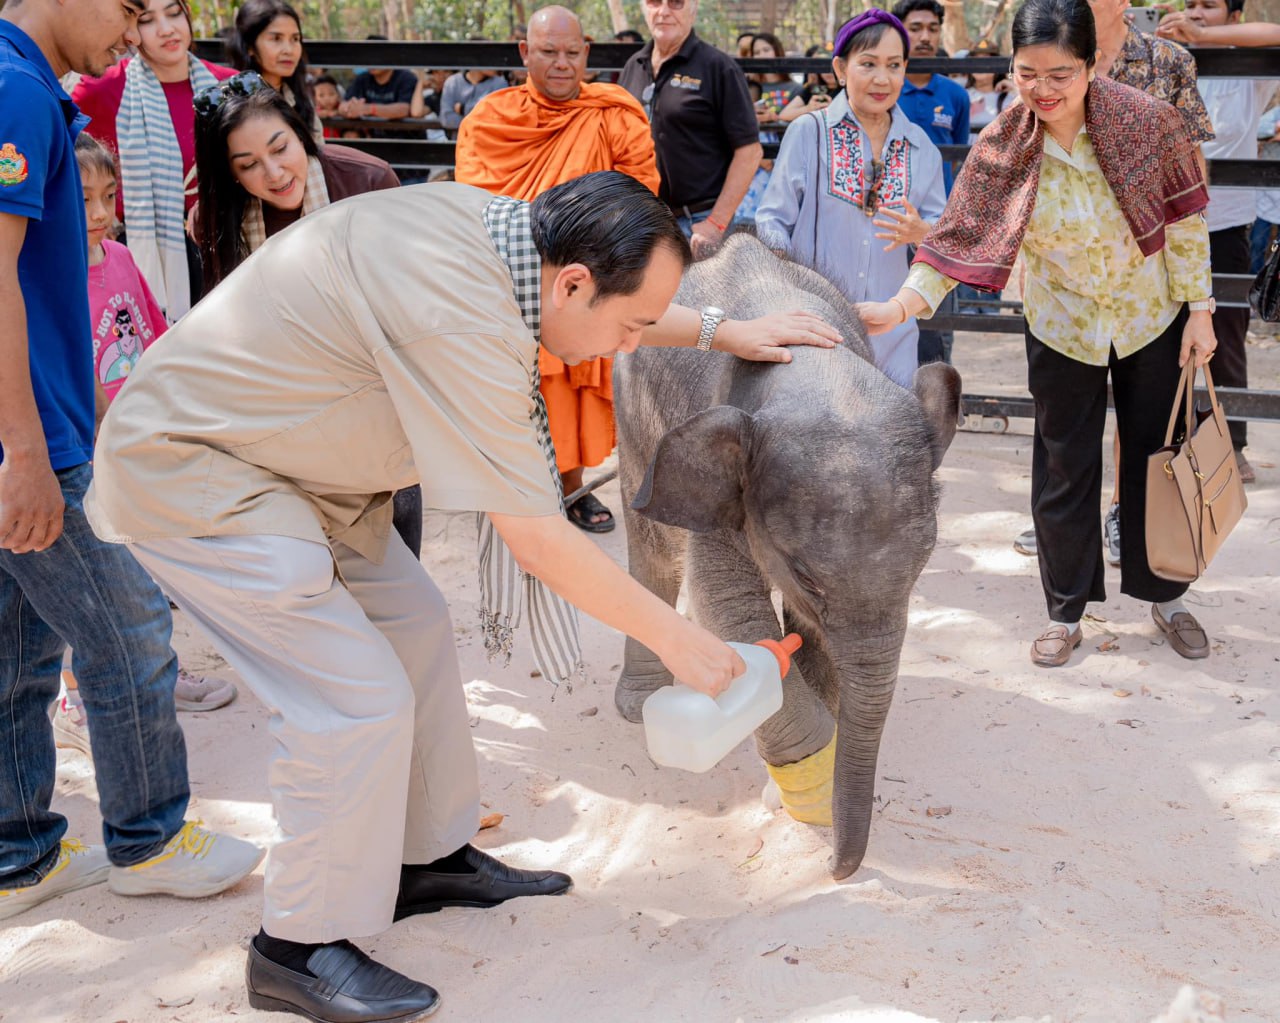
(1142, 148)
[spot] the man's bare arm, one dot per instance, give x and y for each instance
(31, 501)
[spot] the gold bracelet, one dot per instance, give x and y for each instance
(901, 306)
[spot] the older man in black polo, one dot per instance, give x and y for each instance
(705, 130)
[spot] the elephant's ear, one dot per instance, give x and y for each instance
(695, 478)
(937, 388)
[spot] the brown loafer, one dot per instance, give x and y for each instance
(1052, 648)
(1246, 471)
(1184, 632)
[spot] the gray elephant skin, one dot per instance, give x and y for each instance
(814, 478)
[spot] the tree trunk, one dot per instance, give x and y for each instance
(955, 31)
(1262, 10)
(831, 14)
(617, 15)
(769, 16)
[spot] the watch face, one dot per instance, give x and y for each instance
(713, 311)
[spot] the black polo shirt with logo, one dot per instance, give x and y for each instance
(700, 112)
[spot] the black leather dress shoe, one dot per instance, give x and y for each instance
(492, 882)
(348, 987)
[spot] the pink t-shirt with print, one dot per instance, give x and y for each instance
(124, 317)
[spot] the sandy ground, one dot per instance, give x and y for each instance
(1114, 826)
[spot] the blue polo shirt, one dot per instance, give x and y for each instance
(40, 180)
(941, 108)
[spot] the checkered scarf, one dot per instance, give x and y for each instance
(504, 589)
(253, 229)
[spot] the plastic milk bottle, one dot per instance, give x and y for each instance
(688, 729)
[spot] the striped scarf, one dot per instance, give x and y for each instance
(504, 589)
(253, 229)
(151, 173)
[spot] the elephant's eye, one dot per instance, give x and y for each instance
(805, 578)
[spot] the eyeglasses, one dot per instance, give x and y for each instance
(871, 200)
(674, 5)
(208, 99)
(1058, 81)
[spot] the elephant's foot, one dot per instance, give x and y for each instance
(630, 693)
(805, 786)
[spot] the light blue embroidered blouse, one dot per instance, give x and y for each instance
(812, 210)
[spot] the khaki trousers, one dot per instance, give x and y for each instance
(373, 764)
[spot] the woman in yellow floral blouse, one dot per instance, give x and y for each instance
(1097, 185)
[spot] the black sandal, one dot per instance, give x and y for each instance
(584, 509)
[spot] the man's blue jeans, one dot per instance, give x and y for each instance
(95, 597)
(1259, 244)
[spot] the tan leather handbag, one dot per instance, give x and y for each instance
(1194, 492)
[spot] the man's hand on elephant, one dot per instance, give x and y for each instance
(700, 660)
(705, 239)
(765, 339)
(907, 228)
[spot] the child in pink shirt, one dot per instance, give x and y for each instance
(124, 316)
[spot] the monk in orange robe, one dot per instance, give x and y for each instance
(522, 141)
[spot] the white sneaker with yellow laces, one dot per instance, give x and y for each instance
(78, 866)
(194, 864)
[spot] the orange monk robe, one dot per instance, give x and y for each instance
(517, 142)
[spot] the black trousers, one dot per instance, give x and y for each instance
(406, 517)
(1229, 254)
(1067, 461)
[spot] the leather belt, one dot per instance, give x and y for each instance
(690, 209)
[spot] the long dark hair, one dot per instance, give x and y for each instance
(251, 21)
(220, 212)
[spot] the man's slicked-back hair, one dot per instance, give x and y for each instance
(611, 224)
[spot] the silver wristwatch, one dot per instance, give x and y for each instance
(1208, 305)
(711, 320)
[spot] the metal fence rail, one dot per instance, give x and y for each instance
(1237, 403)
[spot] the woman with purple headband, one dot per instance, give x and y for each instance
(856, 183)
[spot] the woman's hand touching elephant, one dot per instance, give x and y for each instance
(901, 228)
(699, 659)
(882, 317)
(765, 339)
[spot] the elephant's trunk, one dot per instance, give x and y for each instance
(867, 668)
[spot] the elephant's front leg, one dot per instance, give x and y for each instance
(732, 598)
(655, 559)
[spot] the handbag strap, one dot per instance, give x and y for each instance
(1186, 387)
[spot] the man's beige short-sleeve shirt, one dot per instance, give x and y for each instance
(374, 344)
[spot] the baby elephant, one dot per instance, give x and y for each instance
(814, 478)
